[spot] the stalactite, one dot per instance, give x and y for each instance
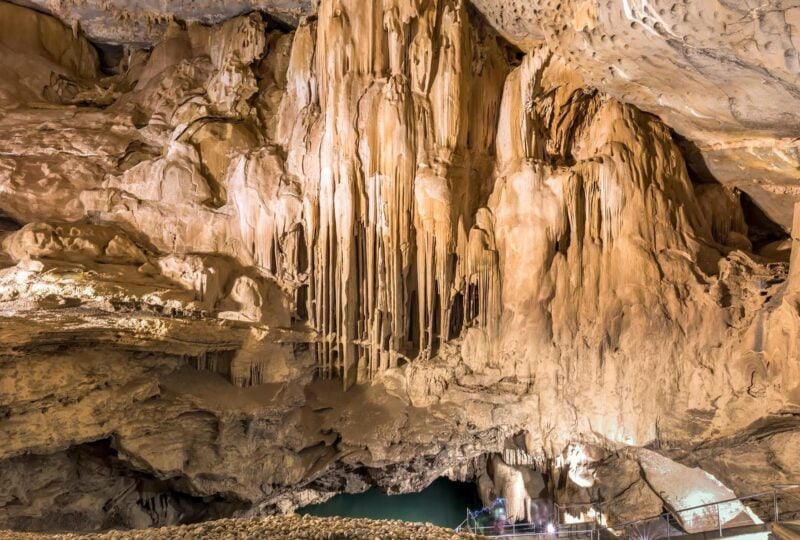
(394, 180)
(433, 211)
(520, 458)
(794, 263)
(482, 302)
(517, 261)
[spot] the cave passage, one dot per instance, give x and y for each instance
(443, 503)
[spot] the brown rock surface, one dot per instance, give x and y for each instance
(289, 527)
(725, 75)
(254, 267)
(146, 21)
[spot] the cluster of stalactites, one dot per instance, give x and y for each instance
(269, 209)
(482, 295)
(520, 458)
(579, 181)
(379, 99)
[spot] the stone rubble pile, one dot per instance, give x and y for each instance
(286, 527)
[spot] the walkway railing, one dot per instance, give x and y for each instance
(782, 503)
(529, 531)
(755, 511)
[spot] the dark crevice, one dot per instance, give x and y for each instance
(695, 162)
(761, 230)
(98, 490)
(110, 55)
(273, 23)
(7, 223)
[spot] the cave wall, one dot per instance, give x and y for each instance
(722, 74)
(255, 266)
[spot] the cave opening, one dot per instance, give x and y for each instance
(444, 502)
(473, 307)
(456, 314)
(413, 336)
(764, 234)
(110, 56)
(215, 361)
(762, 230)
(301, 303)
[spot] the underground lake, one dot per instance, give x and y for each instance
(443, 502)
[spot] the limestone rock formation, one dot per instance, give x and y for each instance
(255, 266)
(146, 21)
(724, 75)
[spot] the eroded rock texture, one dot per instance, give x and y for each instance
(725, 75)
(253, 267)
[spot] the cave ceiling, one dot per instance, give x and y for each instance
(254, 254)
(725, 75)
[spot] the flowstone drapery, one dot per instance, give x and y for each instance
(255, 266)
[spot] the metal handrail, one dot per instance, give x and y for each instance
(777, 488)
(524, 529)
(528, 531)
(690, 508)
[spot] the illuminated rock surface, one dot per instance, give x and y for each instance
(277, 527)
(257, 266)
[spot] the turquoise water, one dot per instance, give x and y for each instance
(442, 503)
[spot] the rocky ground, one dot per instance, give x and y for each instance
(289, 526)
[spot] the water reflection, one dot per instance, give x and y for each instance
(442, 503)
